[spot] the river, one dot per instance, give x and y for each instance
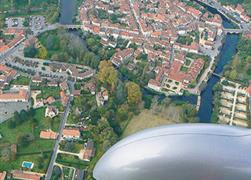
(67, 11)
(227, 52)
(225, 57)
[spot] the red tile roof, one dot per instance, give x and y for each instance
(48, 135)
(25, 175)
(2, 175)
(71, 132)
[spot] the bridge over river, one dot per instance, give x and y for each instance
(233, 31)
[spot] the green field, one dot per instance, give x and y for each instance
(47, 91)
(26, 8)
(37, 150)
(148, 119)
(70, 160)
(21, 80)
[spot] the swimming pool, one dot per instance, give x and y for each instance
(28, 165)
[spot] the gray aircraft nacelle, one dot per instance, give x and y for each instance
(179, 152)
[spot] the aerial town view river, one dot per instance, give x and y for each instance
(67, 9)
(225, 56)
(228, 49)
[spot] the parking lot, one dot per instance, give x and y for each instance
(14, 22)
(7, 109)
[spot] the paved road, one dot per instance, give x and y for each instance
(62, 125)
(213, 54)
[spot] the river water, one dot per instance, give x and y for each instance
(228, 50)
(67, 11)
(67, 8)
(225, 57)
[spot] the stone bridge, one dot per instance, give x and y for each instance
(233, 31)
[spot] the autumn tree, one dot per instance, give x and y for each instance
(107, 73)
(42, 52)
(134, 95)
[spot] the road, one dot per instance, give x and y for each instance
(62, 126)
(228, 14)
(213, 54)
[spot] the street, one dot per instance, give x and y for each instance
(62, 126)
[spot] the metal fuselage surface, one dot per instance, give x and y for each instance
(179, 152)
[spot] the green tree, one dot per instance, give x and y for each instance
(107, 73)
(233, 75)
(134, 95)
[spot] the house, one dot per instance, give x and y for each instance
(49, 134)
(122, 55)
(51, 111)
(76, 93)
(91, 87)
(71, 134)
(50, 100)
(37, 79)
(155, 85)
(63, 85)
(18, 174)
(79, 174)
(64, 98)
(6, 75)
(52, 84)
(249, 91)
(2, 175)
(89, 150)
(39, 103)
(102, 97)
(20, 96)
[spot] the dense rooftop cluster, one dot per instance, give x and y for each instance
(164, 30)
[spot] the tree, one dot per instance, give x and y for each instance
(25, 140)
(120, 93)
(42, 52)
(12, 124)
(189, 113)
(233, 75)
(134, 95)
(107, 73)
(30, 51)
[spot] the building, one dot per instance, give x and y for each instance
(71, 134)
(20, 96)
(76, 93)
(49, 134)
(64, 98)
(50, 100)
(89, 150)
(79, 174)
(2, 175)
(36, 79)
(102, 97)
(18, 174)
(6, 75)
(63, 85)
(51, 111)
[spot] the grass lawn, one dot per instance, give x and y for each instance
(70, 160)
(21, 80)
(148, 119)
(23, 8)
(184, 69)
(47, 91)
(75, 146)
(68, 173)
(31, 152)
(35, 158)
(188, 62)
